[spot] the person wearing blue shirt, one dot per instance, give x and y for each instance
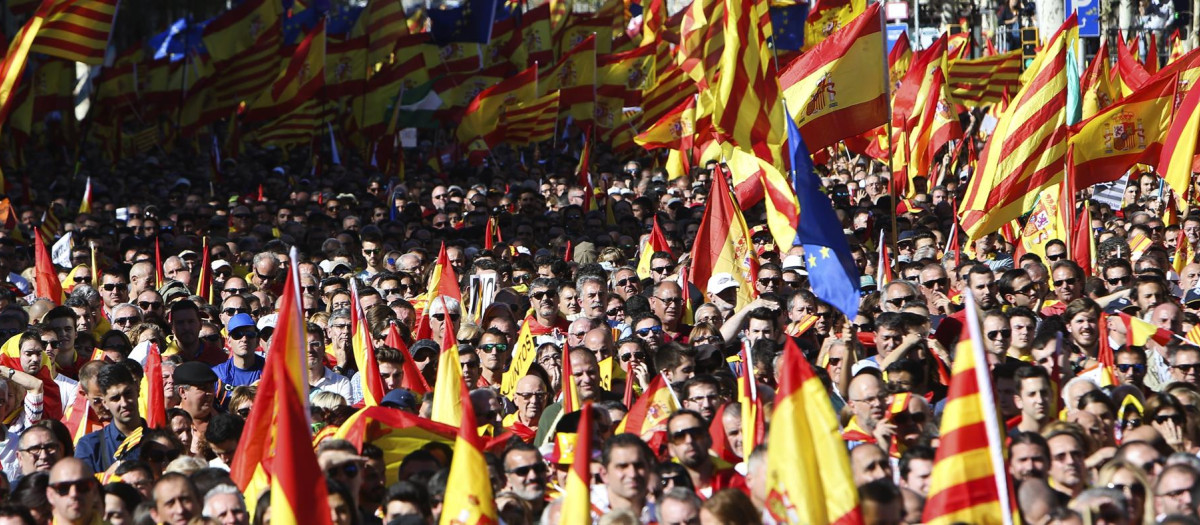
(245, 366)
(121, 440)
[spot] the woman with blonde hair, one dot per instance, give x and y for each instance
(1132, 481)
(729, 507)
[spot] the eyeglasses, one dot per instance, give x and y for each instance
(524, 278)
(370, 252)
(493, 347)
(1129, 424)
(1124, 279)
(1174, 418)
(442, 317)
(45, 449)
(879, 398)
(524, 470)
(149, 305)
(244, 412)
(936, 282)
(52, 344)
(640, 356)
(1062, 282)
(543, 295)
(1024, 291)
(643, 332)
(349, 470)
(389, 291)
(663, 269)
(834, 361)
(1137, 368)
(82, 486)
(909, 418)
(615, 311)
(999, 334)
(112, 287)
(711, 398)
(234, 311)
(1193, 367)
(242, 334)
(901, 301)
(1056, 256)
(211, 338)
(770, 281)
(627, 281)
(670, 300)
(680, 436)
(125, 320)
(531, 395)
(236, 291)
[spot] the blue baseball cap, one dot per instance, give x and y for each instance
(240, 321)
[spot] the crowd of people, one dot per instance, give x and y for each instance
(76, 447)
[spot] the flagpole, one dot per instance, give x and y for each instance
(887, 75)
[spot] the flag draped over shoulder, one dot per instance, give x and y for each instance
(808, 469)
(839, 88)
(969, 483)
(1025, 154)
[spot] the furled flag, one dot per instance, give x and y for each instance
(831, 268)
(808, 469)
(449, 390)
(969, 483)
(151, 402)
(655, 242)
(363, 344)
(1096, 85)
(85, 204)
(723, 243)
(1140, 332)
(46, 282)
(577, 505)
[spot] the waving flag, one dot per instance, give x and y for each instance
(750, 112)
(364, 351)
(238, 29)
(673, 130)
(468, 496)
(656, 242)
(1105, 146)
(449, 390)
(443, 281)
(46, 282)
(577, 505)
(969, 483)
(1179, 146)
(981, 81)
(831, 269)
(1140, 332)
(12, 68)
(723, 243)
(297, 493)
(413, 380)
(304, 76)
(151, 402)
(1096, 85)
(808, 469)
(77, 30)
(648, 415)
(483, 113)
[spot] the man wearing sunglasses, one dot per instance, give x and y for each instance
(525, 474)
(1131, 367)
(245, 366)
(119, 395)
(74, 493)
(543, 298)
(689, 443)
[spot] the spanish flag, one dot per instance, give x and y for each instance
(151, 402)
(1179, 146)
(483, 113)
(826, 17)
(13, 65)
(413, 380)
(85, 204)
(297, 493)
(1130, 73)
(574, 76)
(723, 244)
(899, 58)
(969, 482)
(570, 393)
(77, 30)
(1025, 154)
(577, 502)
(655, 242)
(364, 351)
(397, 432)
(239, 28)
(468, 496)
(45, 276)
(443, 281)
(1105, 146)
(649, 413)
(449, 390)
(1096, 85)
(1140, 332)
(296, 84)
(675, 130)
(933, 124)
(808, 469)
(838, 89)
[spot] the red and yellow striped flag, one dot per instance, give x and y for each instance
(577, 505)
(750, 115)
(299, 82)
(13, 65)
(723, 244)
(969, 483)
(981, 81)
(297, 493)
(364, 351)
(77, 30)
(838, 89)
(151, 402)
(468, 496)
(449, 390)
(1026, 151)
(808, 469)
(85, 203)
(826, 17)
(1183, 252)
(1105, 146)
(530, 122)
(1179, 146)
(1107, 362)
(656, 242)
(1139, 332)
(443, 281)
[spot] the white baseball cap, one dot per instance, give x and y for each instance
(719, 282)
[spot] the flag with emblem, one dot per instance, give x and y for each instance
(826, 17)
(1128, 132)
(483, 112)
(1179, 146)
(574, 76)
(239, 28)
(675, 130)
(298, 82)
(723, 243)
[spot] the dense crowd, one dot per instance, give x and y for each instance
(532, 254)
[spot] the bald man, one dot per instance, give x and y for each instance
(74, 493)
(578, 329)
(600, 342)
(868, 463)
(868, 401)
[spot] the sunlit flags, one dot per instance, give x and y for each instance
(471, 22)
(831, 269)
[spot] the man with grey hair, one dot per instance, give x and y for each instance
(225, 504)
(593, 296)
(126, 316)
(543, 298)
(678, 505)
(175, 268)
(338, 339)
(442, 309)
(898, 294)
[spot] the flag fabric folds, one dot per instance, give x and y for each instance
(363, 346)
(239, 28)
(1179, 146)
(723, 243)
(12, 68)
(577, 505)
(1139, 332)
(980, 81)
(483, 113)
(298, 82)
(1131, 131)
(808, 469)
(151, 403)
(450, 401)
(468, 497)
(969, 483)
(46, 281)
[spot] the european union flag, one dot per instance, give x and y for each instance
(469, 22)
(181, 39)
(831, 270)
(788, 24)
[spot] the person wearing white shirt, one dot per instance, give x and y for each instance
(320, 377)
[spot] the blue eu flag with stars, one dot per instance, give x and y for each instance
(831, 270)
(470, 22)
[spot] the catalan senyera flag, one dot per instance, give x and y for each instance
(85, 204)
(1193, 336)
(46, 282)
(77, 30)
(839, 88)
(1140, 332)
(531, 122)
(577, 505)
(655, 242)
(468, 496)
(700, 40)
(808, 469)
(673, 130)
(981, 81)
(969, 483)
(483, 113)
(750, 116)
(151, 402)
(296, 84)
(1179, 146)
(364, 351)
(1123, 134)
(723, 243)
(239, 28)
(12, 68)
(1096, 85)
(449, 390)
(1026, 151)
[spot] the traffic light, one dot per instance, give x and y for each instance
(1029, 44)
